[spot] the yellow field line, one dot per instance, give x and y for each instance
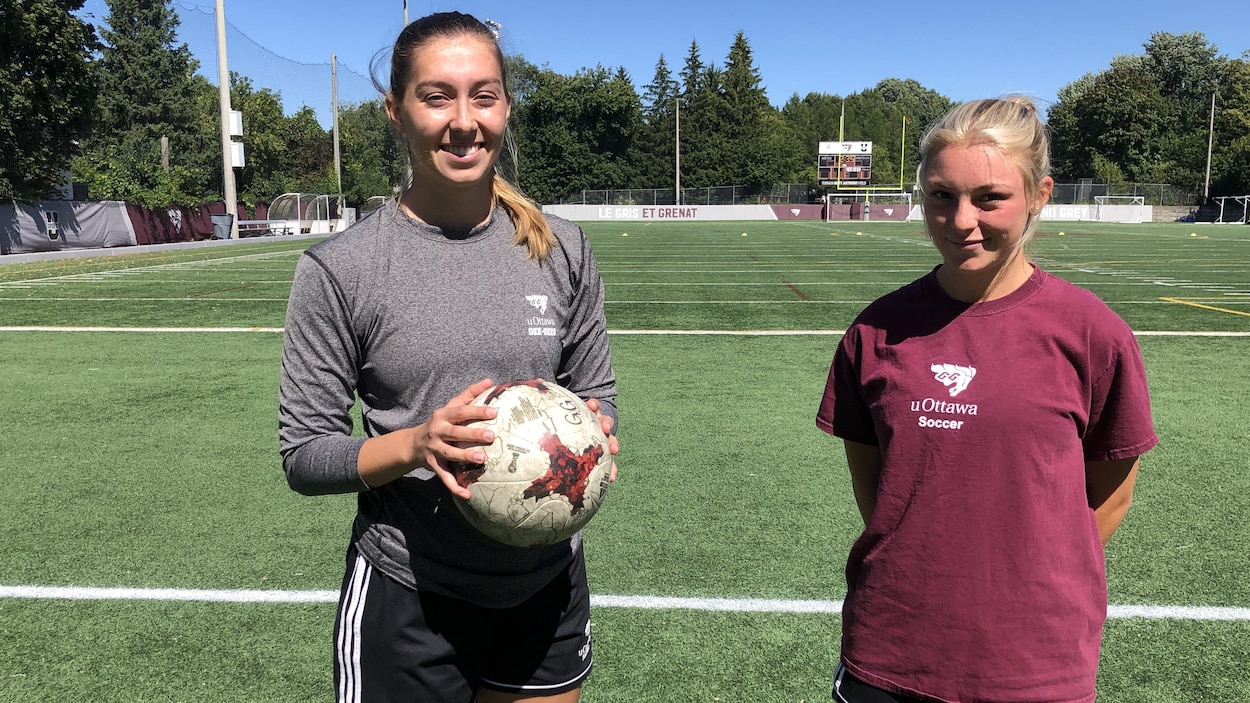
(1205, 307)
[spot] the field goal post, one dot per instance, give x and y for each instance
(1119, 208)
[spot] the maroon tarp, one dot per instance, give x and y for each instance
(165, 225)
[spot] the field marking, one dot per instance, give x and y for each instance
(146, 330)
(797, 292)
(675, 333)
(182, 299)
(752, 283)
(1205, 307)
(729, 605)
(1231, 299)
(139, 270)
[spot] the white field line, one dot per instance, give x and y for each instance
(118, 278)
(158, 330)
(860, 301)
(182, 299)
(167, 266)
(730, 605)
(675, 333)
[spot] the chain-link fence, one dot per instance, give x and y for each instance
(1079, 193)
(1083, 193)
(781, 194)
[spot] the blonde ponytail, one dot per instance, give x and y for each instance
(532, 229)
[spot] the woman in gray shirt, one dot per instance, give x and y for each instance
(413, 311)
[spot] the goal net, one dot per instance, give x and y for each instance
(1119, 208)
(1234, 208)
(868, 205)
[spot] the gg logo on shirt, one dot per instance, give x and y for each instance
(956, 378)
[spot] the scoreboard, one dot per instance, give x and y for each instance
(844, 163)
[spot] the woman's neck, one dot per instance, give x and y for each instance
(461, 209)
(982, 286)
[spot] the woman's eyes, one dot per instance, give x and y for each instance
(441, 100)
(986, 198)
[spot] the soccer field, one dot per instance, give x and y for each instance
(154, 553)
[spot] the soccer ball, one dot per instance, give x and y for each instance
(547, 471)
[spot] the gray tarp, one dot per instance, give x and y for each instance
(54, 225)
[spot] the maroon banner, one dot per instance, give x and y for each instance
(798, 212)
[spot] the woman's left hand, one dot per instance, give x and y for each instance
(606, 422)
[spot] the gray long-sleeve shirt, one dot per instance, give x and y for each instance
(404, 316)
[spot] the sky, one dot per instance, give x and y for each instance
(963, 50)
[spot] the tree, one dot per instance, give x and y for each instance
(264, 139)
(309, 159)
(1123, 119)
(874, 115)
(372, 152)
(656, 153)
(47, 93)
(577, 132)
(1146, 118)
(748, 160)
(1230, 163)
(147, 91)
(1067, 156)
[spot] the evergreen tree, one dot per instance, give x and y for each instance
(47, 93)
(147, 92)
(748, 160)
(656, 139)
(702, 120)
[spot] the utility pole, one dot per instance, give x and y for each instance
(1206, 188)
(223, 93)
(334, 112)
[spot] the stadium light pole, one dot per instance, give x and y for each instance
(677, 154)
(223, 94)
(1206, 187)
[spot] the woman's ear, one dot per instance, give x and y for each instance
(1043, 194)
(392, 113)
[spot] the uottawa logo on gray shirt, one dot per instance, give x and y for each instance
(540, 326)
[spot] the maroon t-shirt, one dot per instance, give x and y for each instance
(980, 575)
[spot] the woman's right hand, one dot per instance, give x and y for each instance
(436, 444)
(444, 439)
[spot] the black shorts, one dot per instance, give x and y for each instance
(848, 689)
(393, 643)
